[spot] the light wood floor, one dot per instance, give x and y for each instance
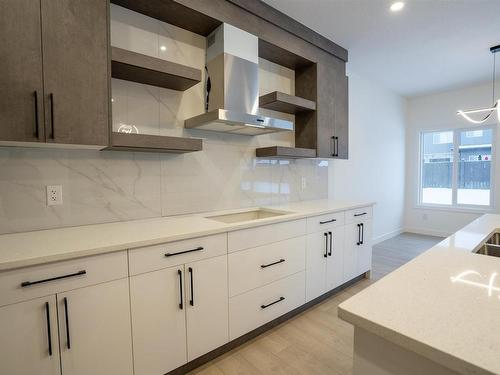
(316, 341)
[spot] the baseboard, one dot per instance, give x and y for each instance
(386, 236)
(428, 232)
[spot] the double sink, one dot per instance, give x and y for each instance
(492, 246)
(248, 215)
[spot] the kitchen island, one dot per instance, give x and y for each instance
(438, 314)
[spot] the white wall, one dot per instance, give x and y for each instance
(438, 112)
(375, 169)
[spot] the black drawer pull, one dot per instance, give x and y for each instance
(29, 283)
(272, 303)
(49, 333)
(68, 339)
(272, 264)
(36, 130)
(181, 303)
(364, 213)
(328, 221)
(184, 252)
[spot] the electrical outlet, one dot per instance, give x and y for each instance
(303, 183)
(54, 195)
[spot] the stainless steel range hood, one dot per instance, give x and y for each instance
(232, 103)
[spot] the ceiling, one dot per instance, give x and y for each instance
(429, 46)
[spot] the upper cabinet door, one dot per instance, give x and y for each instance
(94, 330)
(21, 89)
(341, 132)
(75, 59)
(29, 339)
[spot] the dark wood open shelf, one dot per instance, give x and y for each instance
(279, 101)
(174, 13)
(285, 152)
(135, 67)
(280, 56)
(153, 143)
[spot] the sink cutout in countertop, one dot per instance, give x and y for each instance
(251, 215)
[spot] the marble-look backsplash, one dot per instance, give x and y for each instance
(106, 186)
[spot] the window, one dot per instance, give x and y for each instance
(455, 168)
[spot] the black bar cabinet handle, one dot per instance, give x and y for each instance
(272, 264)
(328, 221)
(272, 303)
(49, 332)
(361, 214)
(68, 338)
(29, 283)
(199, 248)
(36, 132)
(362, 233)
(326, 245)
(359, 235)
(331, 243)
(336, 146)
(51, 99)
(181, 300)
(332, 142)
(191, 301)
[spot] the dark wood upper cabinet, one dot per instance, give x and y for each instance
(21, 85)
(75, 70)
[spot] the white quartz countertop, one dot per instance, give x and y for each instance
(38, 247)
(443, 305)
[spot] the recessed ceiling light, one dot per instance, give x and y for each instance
(163, 48)
(397, 6)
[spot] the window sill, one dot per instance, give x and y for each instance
(468, 210)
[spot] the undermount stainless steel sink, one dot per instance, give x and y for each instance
(491, 247)
(251, 215)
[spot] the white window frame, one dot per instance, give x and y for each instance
(455, 206)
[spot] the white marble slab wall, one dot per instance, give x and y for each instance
(112, 186)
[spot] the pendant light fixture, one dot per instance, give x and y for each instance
(487, 111)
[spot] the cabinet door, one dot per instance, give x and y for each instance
(335, 260)
(341, 131)
(21, 88)
(75, 60)
(364, 255)
(351, 247)
(316, 260)
(158, 320)
(206, 305)
(94, 329)
(28, 340)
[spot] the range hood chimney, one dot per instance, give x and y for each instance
(232, 98)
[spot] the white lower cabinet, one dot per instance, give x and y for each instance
(206, 307)
(324, 261)
(178, 314)
(158, 320)
(28, 338)
(94, 329)
(358, 249)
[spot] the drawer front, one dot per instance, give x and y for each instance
(325, 222)
(152, 258)
(58, 277)
(253, 237)
(358, 214)
(259, 306)
(258, 266)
